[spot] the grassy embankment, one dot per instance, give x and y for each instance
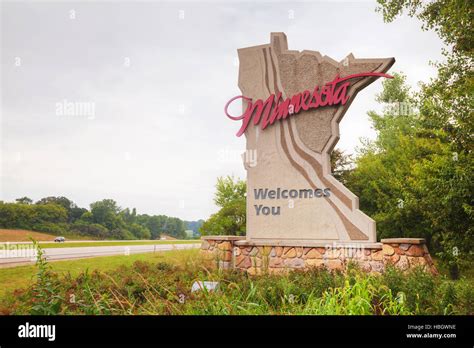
(23, 276)
(9, 235)
(161, 284)
(13, 235)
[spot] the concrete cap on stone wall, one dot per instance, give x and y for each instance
(223, 238)
(403, 241)
(309, 244)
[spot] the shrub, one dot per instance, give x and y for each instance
(88, 229)
(45, 296)
(465, 297)
(49, 227)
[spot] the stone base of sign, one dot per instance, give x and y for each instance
(231, 252)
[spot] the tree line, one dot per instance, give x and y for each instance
(103, 220)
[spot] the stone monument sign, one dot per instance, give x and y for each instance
(292, 105)
(298, 215)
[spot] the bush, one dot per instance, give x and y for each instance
(121, 233)
(464, 297)
(139, 231)
(83, 228)
(49, 227)
(25, 216)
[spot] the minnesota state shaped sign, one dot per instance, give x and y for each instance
(292, 105)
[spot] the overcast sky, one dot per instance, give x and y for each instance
(158, 75)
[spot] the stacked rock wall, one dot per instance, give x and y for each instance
(235, 252)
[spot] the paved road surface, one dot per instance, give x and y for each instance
(101, 241)
(10, 258)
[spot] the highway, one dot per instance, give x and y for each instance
(11, 258)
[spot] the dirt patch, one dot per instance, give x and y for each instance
(23, 236)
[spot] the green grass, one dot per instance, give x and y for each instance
(22, 276)
(161, 283)
(97, 244)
